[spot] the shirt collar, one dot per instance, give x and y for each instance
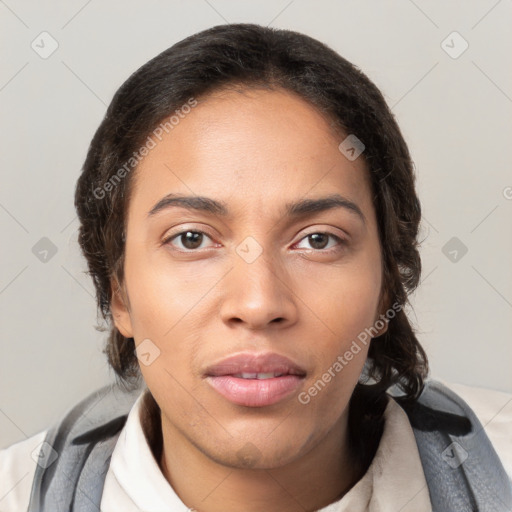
(394, 480)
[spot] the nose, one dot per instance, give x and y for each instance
(258, 295)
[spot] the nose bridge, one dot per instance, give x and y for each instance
(256, 291)
(259, 276)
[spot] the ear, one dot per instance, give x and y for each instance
(119, 307)
(383, 307)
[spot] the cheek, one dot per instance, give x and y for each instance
(161, 294)
(168, 308)
(343, 306)
(342, 300)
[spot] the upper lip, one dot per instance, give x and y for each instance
(247, 362)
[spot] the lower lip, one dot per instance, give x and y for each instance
(255, 392)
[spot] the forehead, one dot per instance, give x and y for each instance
(258, 145)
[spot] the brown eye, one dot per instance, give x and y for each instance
(319, 241)
(189, 240)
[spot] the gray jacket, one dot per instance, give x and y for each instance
(462, 469)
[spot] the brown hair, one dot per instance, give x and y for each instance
(255, 56)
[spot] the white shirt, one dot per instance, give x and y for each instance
(394, 481)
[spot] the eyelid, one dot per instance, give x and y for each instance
(326, 231)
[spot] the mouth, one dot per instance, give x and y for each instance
(259, 376)
(255, 380)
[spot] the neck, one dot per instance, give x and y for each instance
(313, 481)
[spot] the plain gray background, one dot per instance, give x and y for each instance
(454, 110)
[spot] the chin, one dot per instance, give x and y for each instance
(258, 453)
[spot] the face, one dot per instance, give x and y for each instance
(251, 274)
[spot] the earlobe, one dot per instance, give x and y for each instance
(382, 321)
(379, 324)
(119, 310)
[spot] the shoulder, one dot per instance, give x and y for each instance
(459, 454)
(494, 411)
(98, 416)
(18, 464)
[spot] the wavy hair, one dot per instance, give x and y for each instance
(250, 55)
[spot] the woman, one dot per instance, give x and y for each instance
(249, 218)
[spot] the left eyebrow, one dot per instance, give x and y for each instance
(297, 209)
(204, 204)
(312, 206)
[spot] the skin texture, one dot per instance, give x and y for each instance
(255, 150)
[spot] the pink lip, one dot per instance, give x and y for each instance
(255, 363)
(255, 392)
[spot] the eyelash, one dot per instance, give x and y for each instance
(341, 241)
